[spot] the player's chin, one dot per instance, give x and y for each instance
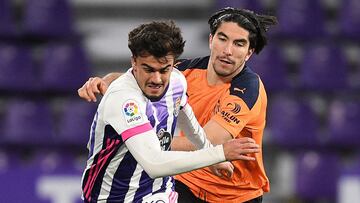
(154, 94)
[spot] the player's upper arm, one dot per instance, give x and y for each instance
(125, 114)
(216, 133)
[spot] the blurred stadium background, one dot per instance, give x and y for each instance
(311, 69)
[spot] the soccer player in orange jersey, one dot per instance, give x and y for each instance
(229, 101)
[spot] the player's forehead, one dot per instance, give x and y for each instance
(156, 63)
(232, 30)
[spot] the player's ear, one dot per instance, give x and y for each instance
(248, 55)
(133, 63)
(210, 40)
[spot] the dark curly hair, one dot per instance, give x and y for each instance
(256, 24)
(157, 38)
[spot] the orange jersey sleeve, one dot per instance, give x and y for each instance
(234, 114)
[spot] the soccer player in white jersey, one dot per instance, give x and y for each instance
(129, 158)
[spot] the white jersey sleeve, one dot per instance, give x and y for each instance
(126, 113)
(188, 123)
(157, 163)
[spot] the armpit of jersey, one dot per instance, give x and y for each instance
(246, 86)
(198, 63)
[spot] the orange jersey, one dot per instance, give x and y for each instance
(240, 108)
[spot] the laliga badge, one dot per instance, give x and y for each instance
(132, 112)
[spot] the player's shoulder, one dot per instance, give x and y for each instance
(125, 84)
(195, 63)
(177, 78)
(246, 86)
(177, 73)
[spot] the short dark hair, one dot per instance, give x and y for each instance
(256, 24)
(157, 38)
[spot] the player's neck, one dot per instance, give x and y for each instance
(214, 79)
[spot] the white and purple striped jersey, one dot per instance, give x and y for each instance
(112, 173)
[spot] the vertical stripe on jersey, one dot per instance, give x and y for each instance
(161, 114)
(146, 186)
(109, 173)
(92, 135)
(94, 176)
(169, 184)
(135, 182)
(96, 171)
(122, 177)
(157, 184)
(150, 114)
(170, 110)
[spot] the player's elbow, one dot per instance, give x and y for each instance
(153, 169)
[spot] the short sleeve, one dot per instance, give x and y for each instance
(233, 114)
(126, 114)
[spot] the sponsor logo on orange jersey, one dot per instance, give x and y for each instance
(235, 107)
(240, 90)
(228, 117)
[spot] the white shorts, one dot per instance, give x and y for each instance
(163, 197)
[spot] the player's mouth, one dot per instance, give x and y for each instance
(154, 87)
(226, 61)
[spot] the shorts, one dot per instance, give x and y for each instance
(162, 197)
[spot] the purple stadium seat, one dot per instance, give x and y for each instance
(75, 122)
(65, 67)
(48, 18)
(7, 26)
(349, 18)
(323, 67)
(353, 78)
(271, 67)
(292, 123)
(57, 162)
(343, 124)
(17, 71)
(317, 174)
(8, 161)
(300, 19)
(254, 5)
(1, 130)
(28, 122)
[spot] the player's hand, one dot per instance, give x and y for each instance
(222, 170)
(238, 149)
(91, 88)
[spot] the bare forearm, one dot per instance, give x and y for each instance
(181, 143)
(111, 77)
(214, 132)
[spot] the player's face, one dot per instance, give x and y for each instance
(230, 49)
(152, 74)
